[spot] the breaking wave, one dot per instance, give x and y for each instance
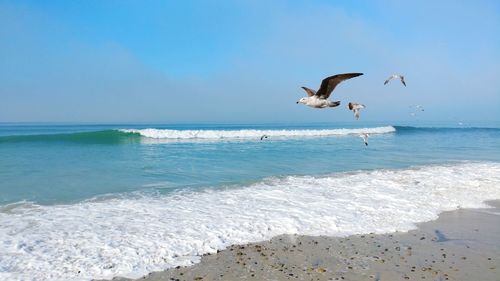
(251, 134)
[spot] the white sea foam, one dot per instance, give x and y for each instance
(130, 237)
(251, 134)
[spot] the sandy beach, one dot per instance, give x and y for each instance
(459, 245)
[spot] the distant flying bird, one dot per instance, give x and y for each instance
(364, 136)
(319, 99)
(356, 107)
(396, 76)
(418, 107)
(264, 137)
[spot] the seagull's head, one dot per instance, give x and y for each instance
(302, 100)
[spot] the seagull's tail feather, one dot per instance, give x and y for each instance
(334, 103)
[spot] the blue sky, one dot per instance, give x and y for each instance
(244, 61)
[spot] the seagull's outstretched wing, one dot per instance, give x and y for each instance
(353, 105)
(356, 113)
(390, 78)
(402, 78)
(357, 109)
(310, 92)
(328, 84)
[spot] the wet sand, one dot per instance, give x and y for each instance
(460, 245)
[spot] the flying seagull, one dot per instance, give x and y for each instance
(365, 136)
(356, 107)
(396, 76)
(319, 99)
(264, 137)
(417, 107)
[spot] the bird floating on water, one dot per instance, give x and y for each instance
(356, 107)
(396, 76)
(319, 99)
(364, 136)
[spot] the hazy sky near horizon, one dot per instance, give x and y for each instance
(244, 61)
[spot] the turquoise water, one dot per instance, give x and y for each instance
(79, 202)
(52, 164)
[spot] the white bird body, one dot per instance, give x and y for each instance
(316, 102)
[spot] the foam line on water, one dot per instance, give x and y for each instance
(251, 134)
(134, 236)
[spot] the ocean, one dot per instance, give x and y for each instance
(96, 201)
